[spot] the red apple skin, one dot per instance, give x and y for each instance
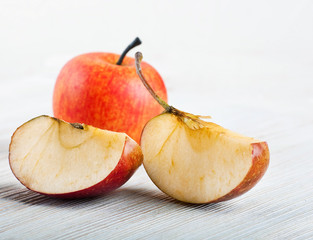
(92, 89)
(260, 162)
(130, 161)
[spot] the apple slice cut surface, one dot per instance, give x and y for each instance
(201, 165)
(53, 157)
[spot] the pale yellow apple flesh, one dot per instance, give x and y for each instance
(54, 157)
(200, 165)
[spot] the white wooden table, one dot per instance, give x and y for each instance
(279, 207)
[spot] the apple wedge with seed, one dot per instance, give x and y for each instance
(56, 158)
(196, 161)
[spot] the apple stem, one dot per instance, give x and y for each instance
(138, 58)
(192, 121)
(134, 43)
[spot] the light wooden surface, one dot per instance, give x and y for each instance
(248, 64)
(279, 207)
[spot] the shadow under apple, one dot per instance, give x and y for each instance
(127, 195)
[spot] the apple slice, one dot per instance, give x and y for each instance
(56, 158)
(196, 161)
(200, 165)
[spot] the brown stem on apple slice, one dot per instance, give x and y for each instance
(192, 121)
(135, 43)
(138, 58)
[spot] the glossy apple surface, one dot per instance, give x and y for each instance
(92, 89)
(64, 160)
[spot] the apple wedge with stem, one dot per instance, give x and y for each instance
(196, 161)
(59, 159)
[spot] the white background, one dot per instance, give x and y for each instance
(211, 48)
(248, 64)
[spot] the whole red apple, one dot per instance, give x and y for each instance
(93, 89)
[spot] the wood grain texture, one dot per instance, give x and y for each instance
(280, 206)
